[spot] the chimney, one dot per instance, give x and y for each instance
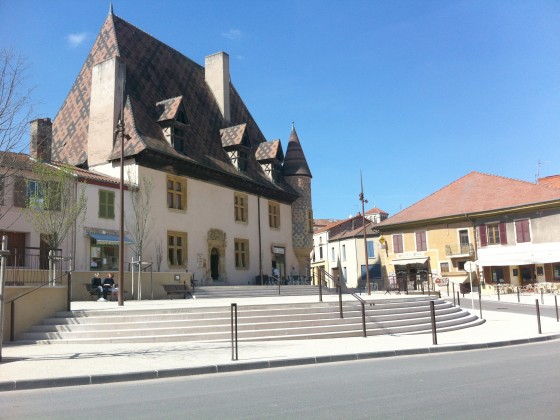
(105, 107)
(216, 75)
(40, 147)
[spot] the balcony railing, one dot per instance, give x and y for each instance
(461, 250)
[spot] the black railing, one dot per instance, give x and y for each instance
(342, 288)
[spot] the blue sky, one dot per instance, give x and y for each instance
(412, 94)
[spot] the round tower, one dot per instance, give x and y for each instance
(298, 176)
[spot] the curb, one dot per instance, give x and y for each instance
(26, 384)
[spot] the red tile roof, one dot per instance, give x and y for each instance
(475, 193)
(551, 181)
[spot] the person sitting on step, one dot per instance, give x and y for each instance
(96, 285)
(109, 286)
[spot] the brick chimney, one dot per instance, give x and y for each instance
(40, 146)
(216, 75)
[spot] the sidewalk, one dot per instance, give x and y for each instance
(38, 366)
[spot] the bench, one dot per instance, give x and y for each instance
(177, 289)
(93, 292)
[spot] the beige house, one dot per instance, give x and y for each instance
(509, 228)
(227, 204)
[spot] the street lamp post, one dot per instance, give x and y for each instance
(121, 130)
(363, 200)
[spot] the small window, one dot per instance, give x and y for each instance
(444, 267)
(370, 249)
(493, 234)
(106, 204)
(397, 244)
(241, 207)
(343, 252)
(176, 193)
(332, 254)
(241, 253)
(242, 161)
(177, 249)
(310, 221)
(421, 241)
(178, 140)
(273, 215)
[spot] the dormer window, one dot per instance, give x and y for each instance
(174, 122)
(270, 155)
(234, 142)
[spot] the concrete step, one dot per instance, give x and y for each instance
(255, 322)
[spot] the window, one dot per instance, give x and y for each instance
(320, 252)
(310, 221)
(344, 254)
(444, 267)
(242, 162)
(421, 241)
(397, 244)
(35, 193)
(493, 234)
(273, 215)
(556, 270)
(241, 253)
(522, 231)
(332, 254)
(240, 204)
(177, 249)
(106, 204)
(176, 193)
(370, 249)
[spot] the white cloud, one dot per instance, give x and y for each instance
(232, 34)
(75, 40)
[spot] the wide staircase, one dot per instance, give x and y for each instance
(225, 291)
(282, 321)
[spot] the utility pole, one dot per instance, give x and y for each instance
(363, 200)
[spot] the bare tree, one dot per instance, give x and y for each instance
(56, 201)
(139, 225)
(159, 255)
(15, 112)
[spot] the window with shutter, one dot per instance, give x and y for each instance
(522, 231)
(106, 204)
(503, 234)
(482, 235)
(397, 244)
(421, 241)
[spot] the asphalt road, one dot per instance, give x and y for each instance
(545, 310)
(519, 382)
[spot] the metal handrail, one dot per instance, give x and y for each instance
(362, 301)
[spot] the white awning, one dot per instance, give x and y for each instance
(458, 279)
(406, 261)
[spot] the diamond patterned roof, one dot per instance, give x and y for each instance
(270, 150)
(155, 73)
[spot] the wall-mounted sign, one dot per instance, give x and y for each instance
(278, 250)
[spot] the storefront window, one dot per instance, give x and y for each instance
(103, 257)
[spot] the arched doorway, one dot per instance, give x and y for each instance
(214, 264)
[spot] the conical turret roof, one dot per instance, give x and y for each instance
(295, 162)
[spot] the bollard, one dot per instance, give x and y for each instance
(234, 347)
(458, 298)
(538, 315)
(498, 289)
(518, 298)
(364, 318)
(556, 306)
(542, 297)
(447, 287)
(480, 301)
(340, 299)
(433, 315)
(453, 294)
